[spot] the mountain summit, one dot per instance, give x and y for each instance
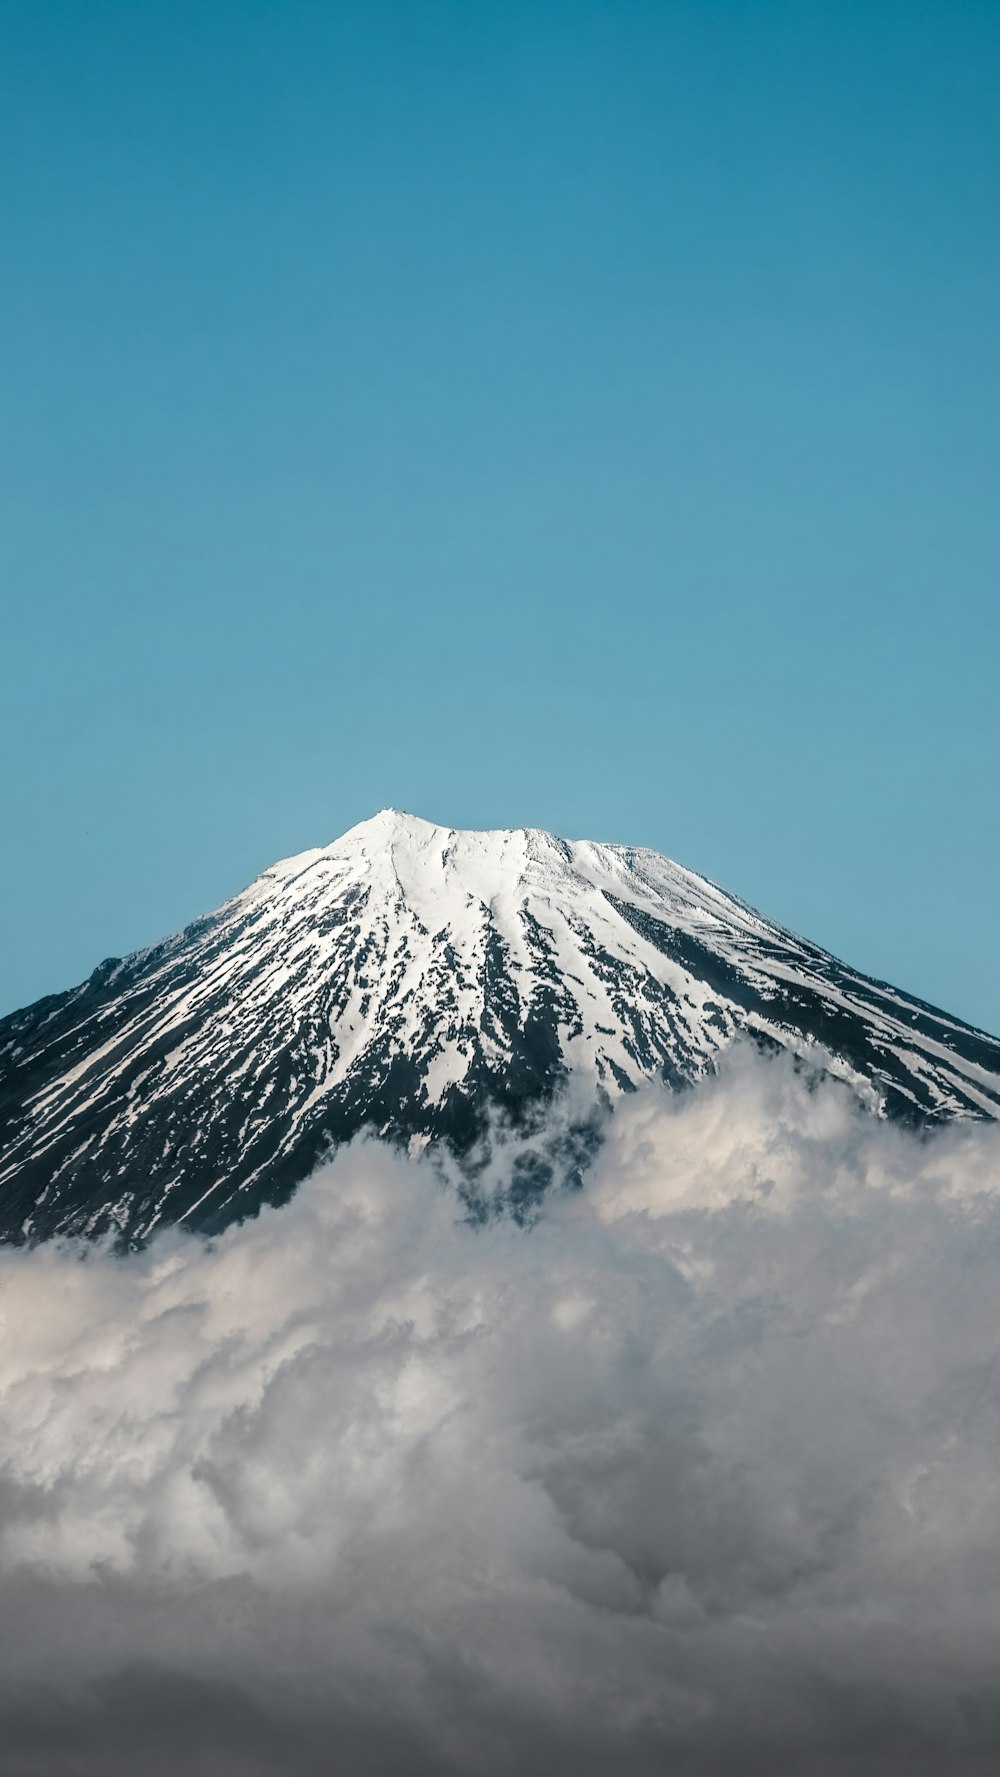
(414, 980)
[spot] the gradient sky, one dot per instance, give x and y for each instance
(571, 415)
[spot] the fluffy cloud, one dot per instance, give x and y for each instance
(700, 1473)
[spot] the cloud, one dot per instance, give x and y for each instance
(699, 1473)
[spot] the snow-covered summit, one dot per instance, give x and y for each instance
(451, 872)
(413, 978)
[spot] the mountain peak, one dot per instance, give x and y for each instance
(390, 820)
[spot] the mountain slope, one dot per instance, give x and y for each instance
(410, 979)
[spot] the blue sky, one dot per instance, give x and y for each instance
(570, 415)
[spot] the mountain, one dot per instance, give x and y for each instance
(415, 980)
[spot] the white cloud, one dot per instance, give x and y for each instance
(702, 1468)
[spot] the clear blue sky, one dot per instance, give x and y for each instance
(573, 415)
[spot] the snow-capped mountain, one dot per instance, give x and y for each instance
(414, 980)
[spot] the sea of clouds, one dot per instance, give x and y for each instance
(699, 1474)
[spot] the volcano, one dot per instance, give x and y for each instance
(427, 985)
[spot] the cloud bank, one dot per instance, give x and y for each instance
(700, 1474)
